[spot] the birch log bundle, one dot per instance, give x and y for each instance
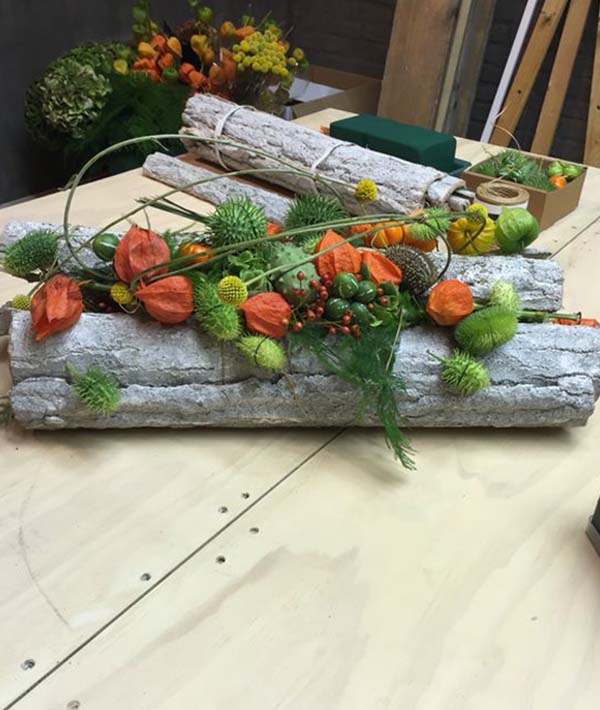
(402, 186)
(548, 375)
(538, 281)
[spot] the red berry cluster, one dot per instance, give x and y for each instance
(316, 308)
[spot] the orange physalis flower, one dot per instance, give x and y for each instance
(345, 257)
(380, 267)
(168, 300)
(449, 302)
(166, 61)
(138, 250)
(56, 306)
(184, 71)
(273, 228)
(267, 313)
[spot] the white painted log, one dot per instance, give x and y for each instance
(177, 173)
(548, 375)
(402, 186)
(538, 281)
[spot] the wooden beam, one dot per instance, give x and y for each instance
(416, 62)
(592, 139)
(541, 37)
(468, 71)
(458, 39)
(560, 76)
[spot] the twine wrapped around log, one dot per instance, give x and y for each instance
(548, 375)
(539, 282)
(402, 186)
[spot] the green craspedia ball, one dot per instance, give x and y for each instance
(221, 321)
(22, 302)
(463, 374)
(504, 294)
(486, 329)
(98, 390)
(307, 210)
(236, 220)
(266, 353)
(35, 251)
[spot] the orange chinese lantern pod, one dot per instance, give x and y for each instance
(345, 257)
(138, 250)
(449, 302)
(241, 33)
(379, 267)
(184, 71)
(273, 228)
(166, 60)
(56, 306)
(267, 313)
(144, 64)
(168, 300)
(228, 63)
(158, 42)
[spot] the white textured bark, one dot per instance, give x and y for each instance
(402, 186)
(548, 375)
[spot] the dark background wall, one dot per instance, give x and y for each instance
(345, 34)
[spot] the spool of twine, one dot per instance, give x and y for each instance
(495, 195)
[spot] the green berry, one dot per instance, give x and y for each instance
(105, 245)
(366, 292)
(336, 307)
(345, 284)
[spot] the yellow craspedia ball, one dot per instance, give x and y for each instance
(365, 190)
(121, 294)
(478, 207)
(232, 291)
(21, 302)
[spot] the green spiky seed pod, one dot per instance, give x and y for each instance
(309, 245)
(236, 220)
(484, 330)
(286, 281)
(463, 374)
(437, 224)
(219, 320)
(504, 294)
(98, 390)
(36, 250)
(307, 210)
(22, 302)
(266, 353)
(418, 270)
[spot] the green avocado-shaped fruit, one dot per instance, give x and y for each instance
(105, 245)
(571, 171)
(366, 292)
(555, 168)
(361, 314)
(345, 284)
(336, 307)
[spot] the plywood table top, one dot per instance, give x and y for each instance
(300, 569)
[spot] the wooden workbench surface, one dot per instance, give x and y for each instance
(300, 569)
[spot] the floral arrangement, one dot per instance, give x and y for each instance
(101, 94)
(343, 287)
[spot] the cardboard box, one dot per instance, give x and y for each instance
(330, 88)
(546, 207)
